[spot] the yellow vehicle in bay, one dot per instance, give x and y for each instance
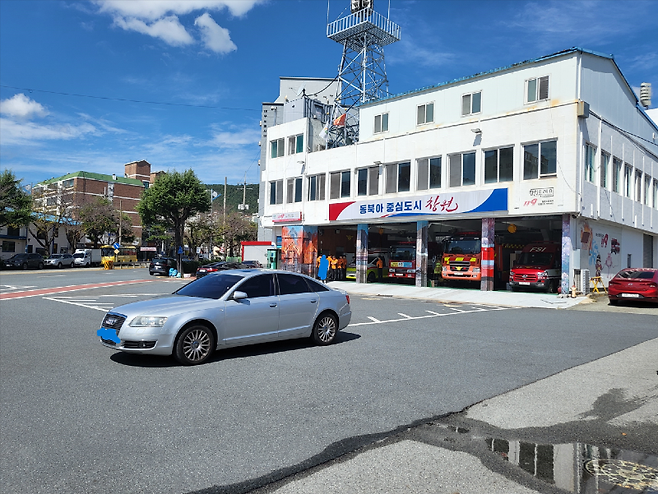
(371, 275)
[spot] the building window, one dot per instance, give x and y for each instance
(655, 194)
(638, 186)
(276, 192)
(294, 192)
(499, 165)
(316, 186)
(8, 246)
(296, 144)
(461, 169)
(605, 164)
(537, 89)
(616, 175)
(67, 183)
(471, 103)
(367, 181)
(590, 154)
(146, 184)
(398, 177)
(429, 173)
(425, 114)
(647, 190)
(276, 147)
(539, 160)
(339, 185)
(628, 176)
(381, 123)
(13, 231)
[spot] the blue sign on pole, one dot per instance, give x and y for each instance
(116, 245)
(180, 250)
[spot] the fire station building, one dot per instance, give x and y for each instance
(552, 149)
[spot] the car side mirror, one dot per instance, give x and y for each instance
(238, 295)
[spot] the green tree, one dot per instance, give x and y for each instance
(15, 203)
(171, 200)
(98, 218)
(199, 231)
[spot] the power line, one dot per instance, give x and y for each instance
(126, 100)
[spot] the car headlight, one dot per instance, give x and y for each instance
(148, 321)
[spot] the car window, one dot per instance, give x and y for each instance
(315, 286)
(258, 286)
(290, 284)
(213, 286)
(638, 275)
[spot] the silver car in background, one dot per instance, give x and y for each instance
(227, 309)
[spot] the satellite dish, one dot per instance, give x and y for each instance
(301, 89)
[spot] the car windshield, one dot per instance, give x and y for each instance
(636, 275)
(211, 286)
(56, 256)
(78, 255)
(535, 259)
(463, 246)
(403, 253)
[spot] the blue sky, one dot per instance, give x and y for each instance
(79, 80)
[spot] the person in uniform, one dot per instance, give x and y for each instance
(380, 268)
(334, 268)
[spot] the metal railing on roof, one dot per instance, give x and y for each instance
(378, 26)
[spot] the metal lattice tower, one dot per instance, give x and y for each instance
(362, 71)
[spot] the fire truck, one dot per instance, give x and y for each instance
(402, 261)
(462, 258)
(538, 266)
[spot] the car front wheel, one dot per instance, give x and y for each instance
(40, 266)
(325, 329)
(194, 345)
(24, 265)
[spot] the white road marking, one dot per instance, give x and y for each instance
(54, 299)
(431, 315)
(404, 315)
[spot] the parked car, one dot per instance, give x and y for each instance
(24, 261)
(161, 265)
(638, 284)
(59, 261)
(227, 309)
(218, 266)
(252, 264)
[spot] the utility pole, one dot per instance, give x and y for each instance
(224, 221)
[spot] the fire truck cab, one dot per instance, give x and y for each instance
(539, 265)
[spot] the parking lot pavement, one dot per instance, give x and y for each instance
(461, 295)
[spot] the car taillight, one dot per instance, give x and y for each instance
(348, 299)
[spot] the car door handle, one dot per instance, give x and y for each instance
(313, 301)
(272, 305)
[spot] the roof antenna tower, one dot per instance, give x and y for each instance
(362, 71)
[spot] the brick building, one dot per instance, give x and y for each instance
(76, 189)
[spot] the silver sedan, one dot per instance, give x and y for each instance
(228, 309)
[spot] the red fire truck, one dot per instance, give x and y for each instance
(462, 257)
(538, 266)
(402, 261)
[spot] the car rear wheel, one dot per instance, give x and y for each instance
(194, 345)
(60, 265)
(40, 266)
(24, 265)
(372, 277)
(325, 329)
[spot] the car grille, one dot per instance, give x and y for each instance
(113, 321)
(138, 344)
(108, 342)
(460, 265)
(532, 278)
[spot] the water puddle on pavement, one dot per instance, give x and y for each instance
(577, 467)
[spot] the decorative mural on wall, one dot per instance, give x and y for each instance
(600, 250)
(299, 247)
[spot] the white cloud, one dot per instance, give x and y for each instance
(159, 19)
(239, 138)
(215, 37)
(156, 9)
(13, 133)
(20, 106)
(168, 29)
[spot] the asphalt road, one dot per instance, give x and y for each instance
(79, 418)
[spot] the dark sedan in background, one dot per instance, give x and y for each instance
(227, 309)
(219, 266)
(24, 261)
(161, 265)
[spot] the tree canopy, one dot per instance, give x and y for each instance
(171, 200)
(15, 203)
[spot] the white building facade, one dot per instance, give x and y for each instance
(557, 148)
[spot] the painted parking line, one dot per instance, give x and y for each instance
(70, 288)
(431, 315)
